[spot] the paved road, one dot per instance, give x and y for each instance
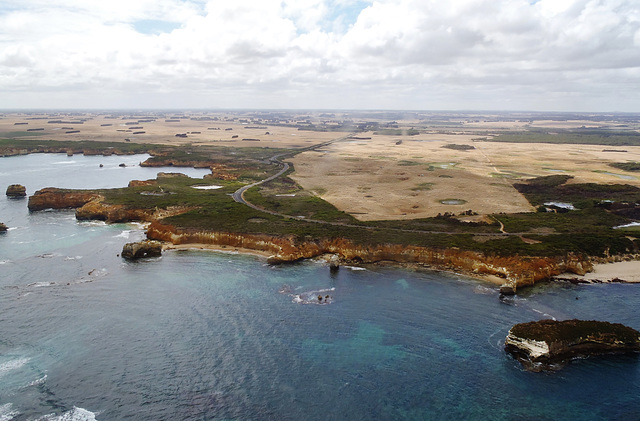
(238, 196)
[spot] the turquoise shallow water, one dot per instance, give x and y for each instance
(211, 336)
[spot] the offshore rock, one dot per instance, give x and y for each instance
(142, 249)
(549, 344)
(334, 263)
(16, 190)
(508, 288)
(3, 227)
(52, 198)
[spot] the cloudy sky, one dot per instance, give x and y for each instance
(565, 55)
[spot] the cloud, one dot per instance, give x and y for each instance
(554, 54)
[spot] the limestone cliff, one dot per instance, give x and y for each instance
(519, 270)
(548, 344)
(53, 198)
(516, 271)
(97, 210)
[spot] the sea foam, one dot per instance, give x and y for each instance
(12, 365)
(76, 414)
(7, 413)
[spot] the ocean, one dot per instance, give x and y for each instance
(200, 335)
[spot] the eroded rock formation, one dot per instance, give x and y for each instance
(549, 344)
(16, 190)
(97, 210)
(3, 227)
(142, 249)
(53, 198)
(518, 270)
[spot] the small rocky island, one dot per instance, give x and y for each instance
(142, 249)
(3, 227)
(16, 190)
(550, 344)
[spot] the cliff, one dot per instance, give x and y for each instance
(90, 206)
(548, 344)
(97, 210)
(53, 198)
(520, 271)
(516, 271)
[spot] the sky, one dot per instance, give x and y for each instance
(537, 55)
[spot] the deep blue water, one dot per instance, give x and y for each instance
(209, 336)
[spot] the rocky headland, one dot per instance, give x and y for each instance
(511, 271)
(549, 344)
(54, 198)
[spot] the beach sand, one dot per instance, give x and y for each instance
(212, 247)
(606, 272)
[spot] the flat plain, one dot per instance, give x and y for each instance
(385, 167)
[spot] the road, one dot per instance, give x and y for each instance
(238, 196)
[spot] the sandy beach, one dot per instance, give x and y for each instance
(212, 247)
(607, 272)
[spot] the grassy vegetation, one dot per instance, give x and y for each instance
(585, 230)
(581, 232)
(285, 196)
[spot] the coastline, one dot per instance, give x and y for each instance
(614, 272)
(215, 248)
(625, 272)
(491, 279)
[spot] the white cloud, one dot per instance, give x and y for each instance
(554, 54)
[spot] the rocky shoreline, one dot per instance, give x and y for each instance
(521, 271)
(511, 272)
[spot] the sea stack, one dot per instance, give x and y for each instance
(3, 227)
(16, 190)
(147, 248)
(550, 344)
(334, 263)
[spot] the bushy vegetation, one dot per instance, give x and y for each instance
(573, 331)
(459, 147)
(579, 136)
(397, 132)
(626, 166)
